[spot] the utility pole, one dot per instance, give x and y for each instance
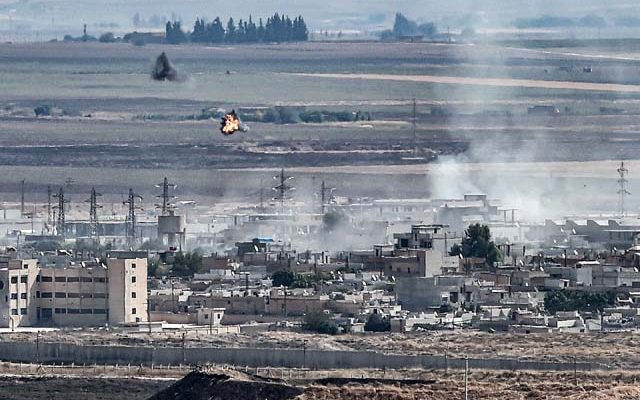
(93, 213)
(413, 128)
(49, 220)
(22, 198)
(466, 377)
(60, 224)
(131, 215)
(261, 195)
(622, 187)
(166, 206)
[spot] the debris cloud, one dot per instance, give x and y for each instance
(163, 70)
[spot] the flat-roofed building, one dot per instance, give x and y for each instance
(92, 295)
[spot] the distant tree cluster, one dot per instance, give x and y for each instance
(551, 21)
(276, 29)
(403, 27)
(564, 300)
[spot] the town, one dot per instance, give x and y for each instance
(338, 266)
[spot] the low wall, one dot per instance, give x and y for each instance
(292, 358)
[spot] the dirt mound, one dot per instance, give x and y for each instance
(199, 385)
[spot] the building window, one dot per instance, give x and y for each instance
(14, 279)
(23, 279)
(99, 295)
(37, 278)
(73, 311)
(73, 279)
(99, 311)
(133, 295)
(86, 279)
(133, 311)
(61, 279)
(73, 295)
(37, 294)
(47, 295)
(133, 279)
(101, 280)
(61, 295)
(14, 296)
(206, 316)
(86, 311)
(47, 279)
(61, 310)
(14, 311)
(23, 311)
(133, 265)
(23, 296)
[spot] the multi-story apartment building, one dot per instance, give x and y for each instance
(73, 296)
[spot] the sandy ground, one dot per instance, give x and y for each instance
(503, 82)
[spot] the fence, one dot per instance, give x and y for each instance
(77, 354)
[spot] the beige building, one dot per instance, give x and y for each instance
(73, 296)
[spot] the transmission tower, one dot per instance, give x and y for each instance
(326, 196)
(22, 198)
(413, 128)
(131, 215)
(166, 206)
(60, 223)
(622, 187)
(282, 189)
(49, 220)
(93, 213)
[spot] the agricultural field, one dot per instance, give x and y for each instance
(108, 116)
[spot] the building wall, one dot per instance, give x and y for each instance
(127, 290)
(17, 298)
(72, 296)
(419, 294)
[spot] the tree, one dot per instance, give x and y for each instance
(230, 36)
(215, 31)
(199, 33)
(377, 323)
(402, 26)
(428, 30)
(565, 300)
(186, 264)
(477, 243)
(174, 33)
(282, 278)
(107, 37)
(319, 322)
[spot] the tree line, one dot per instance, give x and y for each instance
(276, 29)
